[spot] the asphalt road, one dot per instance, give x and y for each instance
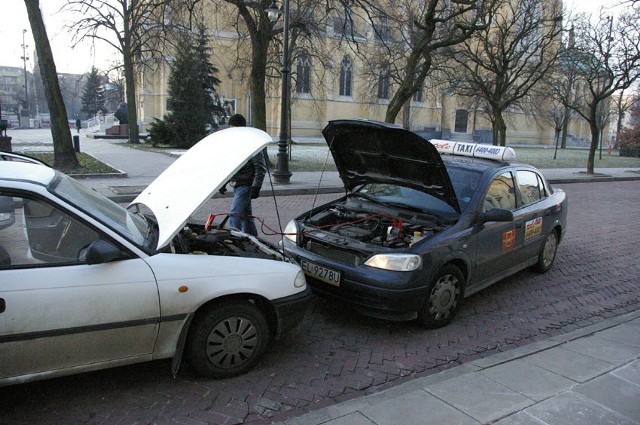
(336, 354)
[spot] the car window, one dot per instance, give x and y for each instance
(34, 232)
(530, 186)
(501, 193)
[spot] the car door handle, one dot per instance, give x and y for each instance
(3, 305)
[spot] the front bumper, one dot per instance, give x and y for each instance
(290, 310)
(379, 293)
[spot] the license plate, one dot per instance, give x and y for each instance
(324, 274)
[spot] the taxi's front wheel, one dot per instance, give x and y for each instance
(228, 340)
(443, 299)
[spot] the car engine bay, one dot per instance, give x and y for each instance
(383, 228)
(194, 239)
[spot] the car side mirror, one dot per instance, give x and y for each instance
(496, 214)
(101, 251)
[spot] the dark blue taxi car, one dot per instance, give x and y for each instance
(423, 223)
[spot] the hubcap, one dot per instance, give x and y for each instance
(232, 342)
(444, 297)
(549, 251)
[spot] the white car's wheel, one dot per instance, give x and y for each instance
(228, 340)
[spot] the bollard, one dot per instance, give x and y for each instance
(76, 143)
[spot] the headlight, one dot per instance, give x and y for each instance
(300, 280)
(291, 231)
(396, 262)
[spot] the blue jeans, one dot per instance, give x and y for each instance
(241, 211)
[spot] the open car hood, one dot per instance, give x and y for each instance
(194, 177)
(376, 152)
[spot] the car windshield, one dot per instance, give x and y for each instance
(404, 197)
(465, 182)
(130, 226)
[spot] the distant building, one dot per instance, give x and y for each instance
(12, 93)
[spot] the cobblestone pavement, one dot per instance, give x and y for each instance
(336, 354)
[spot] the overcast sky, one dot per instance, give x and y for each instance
(79, 60)
(14, 21)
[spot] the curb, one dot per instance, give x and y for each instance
(336, 411)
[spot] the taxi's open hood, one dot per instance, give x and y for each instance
(376, 152)
(196, 175)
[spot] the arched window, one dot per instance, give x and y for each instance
(383, 82)
(419, 96)
(303, 74)
(382, 30)
(346, 77)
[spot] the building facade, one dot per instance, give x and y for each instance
(334, 82)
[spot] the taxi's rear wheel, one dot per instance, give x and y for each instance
(228, 340)
(443, 299)
(547, 255)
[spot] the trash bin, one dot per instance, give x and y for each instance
(76, 143)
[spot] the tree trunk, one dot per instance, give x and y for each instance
(565, 127)
(259, 47)
(406, 115)
(63, 153)
(595, 140)
(499, 130)
(132, 112)
(130, 81)
(400, 99)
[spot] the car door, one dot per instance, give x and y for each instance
(530, 216)
(497, 241)
(57, 311)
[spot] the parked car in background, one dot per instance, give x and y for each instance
(423, 224)
(86, 284)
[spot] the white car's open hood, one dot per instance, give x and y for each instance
(194, 177)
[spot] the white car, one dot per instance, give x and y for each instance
(86, 284)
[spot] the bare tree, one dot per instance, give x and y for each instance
(266, 45)
(63, 152)
(502, 63)
(134, 28)
(606, 57)
(252, 20)
(561, 84)
(622, 103)
(409, 35)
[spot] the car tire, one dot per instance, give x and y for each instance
(547, 254)
(228, 340)
(444, 298)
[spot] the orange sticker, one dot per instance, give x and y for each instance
(508, 240)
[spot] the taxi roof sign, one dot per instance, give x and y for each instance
(475, 150)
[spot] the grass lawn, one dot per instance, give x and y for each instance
(572, 158)
(313, 157)
(88, 164)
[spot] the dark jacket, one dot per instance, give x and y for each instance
(252, 173)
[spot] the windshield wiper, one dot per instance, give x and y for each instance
(372, 199)
(151, 236)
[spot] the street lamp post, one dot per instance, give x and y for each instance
(282, 175)
(24, 62)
